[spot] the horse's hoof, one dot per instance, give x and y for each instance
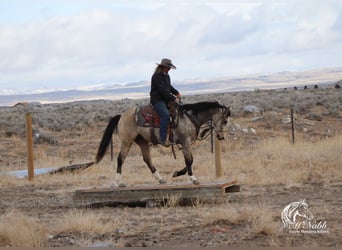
(162, 182)
(122, 185)
(175, 174)
(195, 182)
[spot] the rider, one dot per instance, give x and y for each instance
(162, 92)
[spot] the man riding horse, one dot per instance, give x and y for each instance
(161, 94)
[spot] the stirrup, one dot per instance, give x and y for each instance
(166, 144)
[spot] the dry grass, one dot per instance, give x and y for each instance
(260, 219)
(272, 161)
(20, 230)
(265, 221)
(277, 161)
(87, 222)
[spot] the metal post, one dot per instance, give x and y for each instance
(30, 165)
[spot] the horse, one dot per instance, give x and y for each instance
(296, 214)
(188, 122)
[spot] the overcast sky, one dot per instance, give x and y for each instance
(65, 44)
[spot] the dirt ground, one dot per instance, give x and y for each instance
(183, 228)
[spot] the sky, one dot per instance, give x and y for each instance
(63, 44)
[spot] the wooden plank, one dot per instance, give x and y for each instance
(72, 168)
(147, 192)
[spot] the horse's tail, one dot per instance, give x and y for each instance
(107, 136)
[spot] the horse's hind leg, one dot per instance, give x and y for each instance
(145, 150)
(121, 158)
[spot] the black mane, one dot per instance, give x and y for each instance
(201, 106)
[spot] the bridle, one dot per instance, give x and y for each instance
(208, 127)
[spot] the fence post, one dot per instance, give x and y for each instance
(292, 127)
(30, 165)
(218, 165)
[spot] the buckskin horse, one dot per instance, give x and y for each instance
(189, 120)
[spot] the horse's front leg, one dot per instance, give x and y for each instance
(188, 161)
(180, 172)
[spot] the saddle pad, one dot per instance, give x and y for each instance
(146, 116)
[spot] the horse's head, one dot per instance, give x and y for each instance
(220, 121)
(296, 213)
(211, 113)
(303, 211)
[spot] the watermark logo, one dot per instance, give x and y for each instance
(297, 218)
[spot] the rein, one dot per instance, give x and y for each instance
(205, 134)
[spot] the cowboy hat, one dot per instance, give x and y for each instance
(166, 63)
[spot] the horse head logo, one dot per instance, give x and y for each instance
(296, 214)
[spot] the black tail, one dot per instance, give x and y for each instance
(107, 136)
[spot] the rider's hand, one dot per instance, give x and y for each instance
(178, 98)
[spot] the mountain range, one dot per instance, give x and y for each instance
(141, 89)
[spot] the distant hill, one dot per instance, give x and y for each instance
(141, 89)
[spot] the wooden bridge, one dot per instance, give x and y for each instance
(148, 194)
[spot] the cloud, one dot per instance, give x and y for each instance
(106, 42)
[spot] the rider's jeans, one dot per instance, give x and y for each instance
(163, 112)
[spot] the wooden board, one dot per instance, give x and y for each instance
(146, 192)
(72, 168)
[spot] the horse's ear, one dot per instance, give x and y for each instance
(303, 203)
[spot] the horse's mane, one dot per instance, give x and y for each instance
(201, 106)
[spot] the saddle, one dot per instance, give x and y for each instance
(146, 116)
